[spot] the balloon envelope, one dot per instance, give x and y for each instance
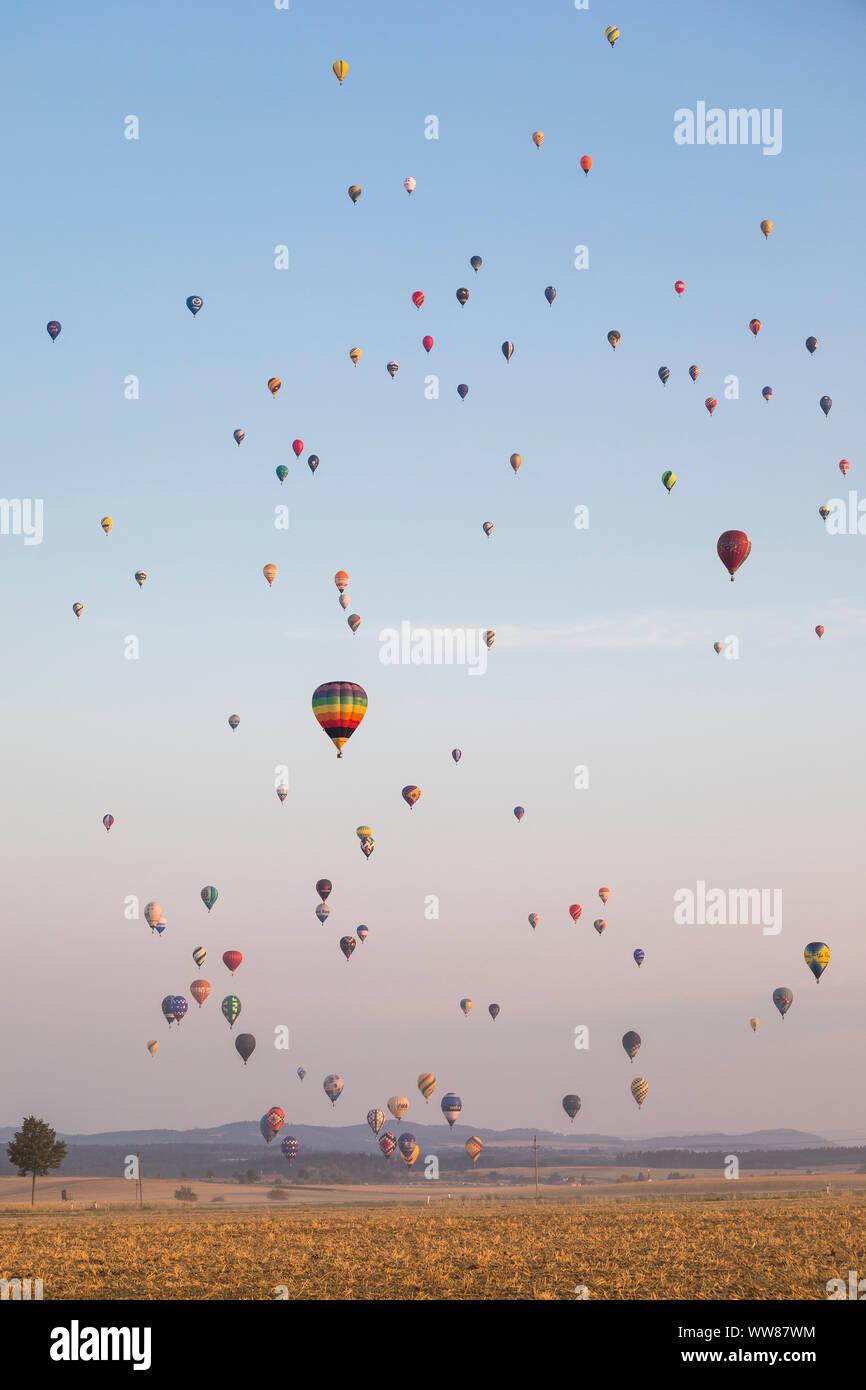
(245, 1045)
(571, 1105)
(339, 707)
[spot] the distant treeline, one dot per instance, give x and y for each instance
(849, 1158)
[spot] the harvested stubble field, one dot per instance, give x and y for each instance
(769, 1248)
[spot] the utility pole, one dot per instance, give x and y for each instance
(138, 1184)
(535, 1142)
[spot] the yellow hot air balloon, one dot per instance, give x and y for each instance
(106, 523)
(355, 355)
(363, 832)
(639, 1089)
(473, 1147)
(270, 573)
(274, 385)
(152, 1047)
(766, 227)
(611, 33)
(427, 1084)
(538, 138)
(398, 1105)
(354, 193)
(339, 70)
(753, 1024)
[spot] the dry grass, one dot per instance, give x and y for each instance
(768, 1248)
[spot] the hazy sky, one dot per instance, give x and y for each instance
(742, 773)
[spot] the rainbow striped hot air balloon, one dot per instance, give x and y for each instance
(427, 1084)
(339, 706)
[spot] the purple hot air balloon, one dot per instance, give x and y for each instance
(108, 822)
(53, 330)
(640, 956)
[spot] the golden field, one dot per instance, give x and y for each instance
(784, 1242)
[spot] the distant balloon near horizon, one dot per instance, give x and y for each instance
(463, 390)
(574, 911)
(664, 374)
(754, 1024)
(754, 327)
(355, 356)
(392, 368)
(194, 303)
(333, 1087)
(550, 294)
(451, 1107)
(767, 393)
(418, 298)
(274, 385)
(494, 1011)
(694, 372)
(533, 920)
(611, 33)
(466, 1006)
(53, 329)
(717, 648)
(232, 960)
(639, 1090)
(427, 342)
(410, 795)
(462, 296)
(487, 528)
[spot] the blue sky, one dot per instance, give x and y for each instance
(742, 773)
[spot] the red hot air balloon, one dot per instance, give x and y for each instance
(323, 888)
(575, 911)
(820, 631)
(427, 343)
(231, 960)
(418, 298)
(733, 549)
(680, 286)
(298, 446)
(844, 465)
(711, 403)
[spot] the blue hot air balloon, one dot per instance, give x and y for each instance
(194, 303)
(640, 956)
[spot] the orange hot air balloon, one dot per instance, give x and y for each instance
(711, 403)
(339, 69)
(754, 327)
(604, 894)
(473, 1147)
(274, 385)
(270, 573)
(586, 163)
(355, 355)
(418, 298)
(820, 631)
(538, 138)
(515, 462)
(341, 579)
(575, 911)
(199, 989)
(718, 648)
(733, 548)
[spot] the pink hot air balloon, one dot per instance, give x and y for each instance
(409, 185)
(298, 446)
(427, 343)
(680, 286)
(844, 465)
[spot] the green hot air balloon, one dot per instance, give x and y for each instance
(209, 896)
(282, 472)
(231, 1007)
(669, 478)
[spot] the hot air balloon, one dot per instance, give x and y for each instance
(245, 1046)
(466, 1005)
(289, 1148)
(487, 528)
(473, 1147)
(409, 185)
(515, 462)
(323, 912)
(341, 579)
(733, 549)
(767, 393)
(363, 933)
(604, 894)
(494, 1011)
(754, 327)
(679, 286)
(507, 350)
(538, 138)
(711, 403)
(152, 1047)
(199, 955)
(826, 405)
(168, 1009)
(427, 1084)
(613, 338)
(476, 263)
(550, 294)
(354, 356)
(823, 512)
(533, 920)
(53, 328)
(611, 33)
(333, 1086)
(199, 989)
(234, 721)
(302, 1071)
(108, 821)
(161, 926)
(668, 479)
(398, 1105)
(586, 163)
(519, 813)
(392, 369)
(489, 637)
(754, 1024)
(408, 1146)
(462, 296)
(575, 911)
(194, 303)
(239, 436)
(844, 465)
(631, 1043)
(456, 754)
(819, 630)
(344, 601)
(339, 707)
(270, 573)
(209, 896)
(451, 1107)
(817, 957)
(783, 999)
(571, 1105)
(694, 372)
(410, 795)
(347, 946)
(339, 70)
(282, 793)
(418, 298)
(599, 925)
(106, 523)
(363, 832)
(152, 914)
(271, 1123)
(463, 390)
(387, 1143)
(274, 385)
(282, 472)
(811, 344)
(717, 648)
(324, 887)
(232, 960)
(78, 609)
(664, 373)
(766, 227)
(375, 1119)
(427, 343)
(297, 447)
(180, 1006)
(230, 1008)
(639, 1089)
(354, 193)
(639, 956)
(139, 577)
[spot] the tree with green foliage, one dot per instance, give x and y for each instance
(35, 1149)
